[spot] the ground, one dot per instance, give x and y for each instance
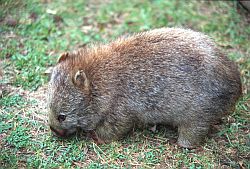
(34, 32)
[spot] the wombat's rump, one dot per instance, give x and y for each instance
(163, 76)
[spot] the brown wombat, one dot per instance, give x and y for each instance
(163, 76)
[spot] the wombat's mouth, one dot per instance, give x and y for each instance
(61, 133)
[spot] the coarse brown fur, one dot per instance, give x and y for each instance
(163, 76)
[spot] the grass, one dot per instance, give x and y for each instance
(33, 34)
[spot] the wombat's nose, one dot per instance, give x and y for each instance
(57, 132)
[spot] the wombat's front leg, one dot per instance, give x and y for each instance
(111, 130)
(191, 134)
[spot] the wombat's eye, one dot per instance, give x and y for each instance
(61, 118)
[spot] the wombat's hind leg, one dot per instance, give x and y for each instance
(191, 135)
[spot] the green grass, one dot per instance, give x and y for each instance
(43, 29)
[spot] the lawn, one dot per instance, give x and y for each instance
(33, 33)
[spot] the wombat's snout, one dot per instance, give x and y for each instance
(63, 132)
(58, 132)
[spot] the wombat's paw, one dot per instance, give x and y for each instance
(182, 142)
(95, 138)
(153, 128)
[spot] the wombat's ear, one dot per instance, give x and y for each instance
(81, 79)
(63, 57)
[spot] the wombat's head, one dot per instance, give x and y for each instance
(68, 100)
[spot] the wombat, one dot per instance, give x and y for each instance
(167, 76)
